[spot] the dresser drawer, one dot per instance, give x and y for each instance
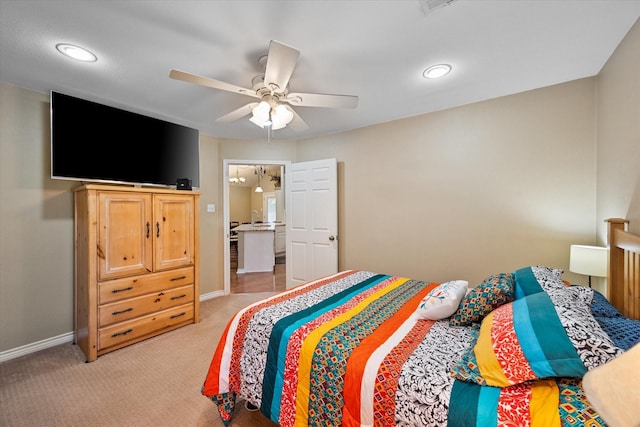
(119, 289)
(144, 327)
(138, 306)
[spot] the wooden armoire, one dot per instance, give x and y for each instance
(136, 264)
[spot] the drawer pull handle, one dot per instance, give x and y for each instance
(178, 315)
(178, 297)
(115, 313)
(117, 334)
(178, 278)
(115, 291)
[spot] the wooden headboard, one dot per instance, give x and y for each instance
(623, 287)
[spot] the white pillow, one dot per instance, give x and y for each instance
(443, 301)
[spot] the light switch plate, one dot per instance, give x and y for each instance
(211, 208)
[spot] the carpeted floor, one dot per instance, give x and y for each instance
(153, 383)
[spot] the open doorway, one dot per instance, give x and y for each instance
(254, 208)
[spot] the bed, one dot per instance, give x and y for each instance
(360, 348)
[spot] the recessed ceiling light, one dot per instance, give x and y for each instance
(76, 52)
(436, 71)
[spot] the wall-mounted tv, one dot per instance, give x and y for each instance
(98, 143)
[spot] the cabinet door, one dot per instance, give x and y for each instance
(174, 231)
(280, 239)
(125, 241)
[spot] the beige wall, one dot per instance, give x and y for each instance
(36, 226)
(470, 191)
(239, 204)
(460, 193)
(618, 184)
(211, 228)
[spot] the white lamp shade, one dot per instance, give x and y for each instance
(281, 117)
(588, 260)
(278, 117)
(260, 114)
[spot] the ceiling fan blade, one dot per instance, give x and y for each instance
(237, 114)
(209, 82)
(297, 123)
(281, 61)
(322, 100)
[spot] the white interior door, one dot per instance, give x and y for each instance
(312, 220)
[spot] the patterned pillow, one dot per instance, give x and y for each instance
(534, 279)
(583, 294)
(494, 291)
(531, 338)
(442, 301)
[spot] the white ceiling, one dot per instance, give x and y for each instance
(374, 49)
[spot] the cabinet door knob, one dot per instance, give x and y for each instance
(332, 238)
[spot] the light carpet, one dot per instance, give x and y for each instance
(156, 382)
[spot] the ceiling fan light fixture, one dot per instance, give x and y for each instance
(260, 114)
(280, 117)
(76, 52)
(276, 117)
(436, 71)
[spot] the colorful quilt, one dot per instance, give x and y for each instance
(349, 350)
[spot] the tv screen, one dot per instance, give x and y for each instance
(95, 142)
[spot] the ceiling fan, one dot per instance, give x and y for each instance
(273, 108)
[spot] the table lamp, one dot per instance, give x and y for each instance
(588, 260)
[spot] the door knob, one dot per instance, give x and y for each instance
(332, 238)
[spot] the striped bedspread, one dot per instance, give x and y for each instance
(342, 350)
(348, 350)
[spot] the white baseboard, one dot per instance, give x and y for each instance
(65, 338)
(36, 346)
(214, 294)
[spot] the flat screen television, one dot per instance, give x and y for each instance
(98, 143)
